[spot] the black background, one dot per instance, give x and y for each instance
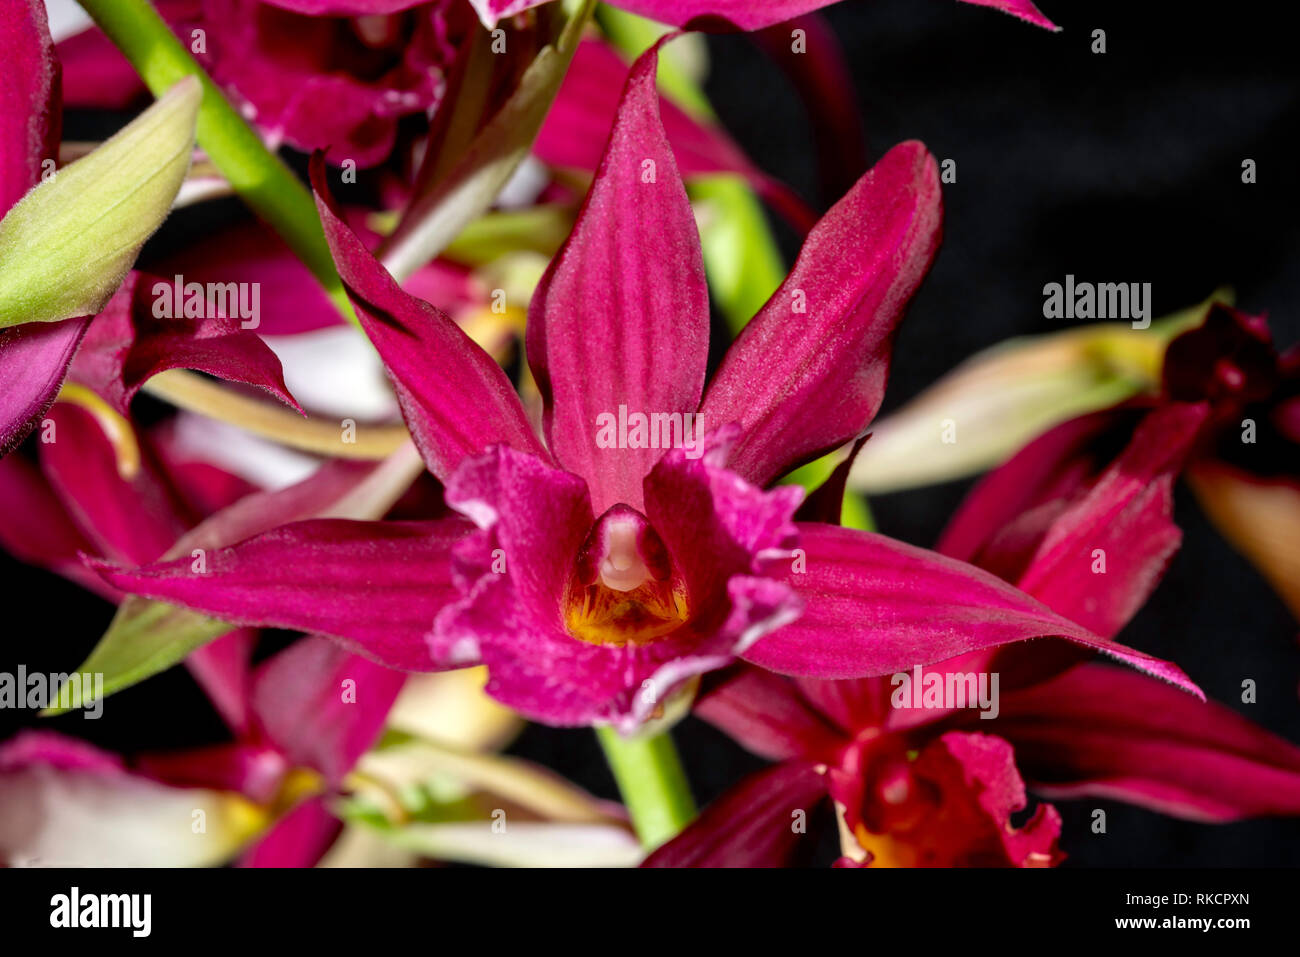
(1117, 167)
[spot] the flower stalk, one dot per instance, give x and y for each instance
(653, 784)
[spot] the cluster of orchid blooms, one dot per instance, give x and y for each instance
(487, 558)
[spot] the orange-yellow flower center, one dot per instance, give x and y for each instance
(605, 616)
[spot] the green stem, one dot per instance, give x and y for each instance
(653, 784)
(257, 174)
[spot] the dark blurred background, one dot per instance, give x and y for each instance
(1124, 166)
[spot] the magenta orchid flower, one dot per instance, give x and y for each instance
(115, 352)
(1247, 475)
(313, 82)
(79, 502)
(295, 734)
(1244, 462)
(598, 572)
(578, 123)
(314, 710)
(742, 14)
(943, 792)
(929, 784)
(322, 92)
(266, 790)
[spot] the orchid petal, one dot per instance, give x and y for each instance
(134, 518)
(307, 83)
(579, 122)
(1105, 732)
(253, 769)
(147, 637)
(1048, 523)
(766, 714)
(515, 573)
(47, 748)
(299, 839)
(322, 706)
(199, 475)
(127, 345)
(30, 112)
(34, 361)
(875, 606)
(292, 301)
(620, 322)
(456, 400)
(802, 384)
(375, 586)
(1051, 468)
(849, 705)
(1125, 522)
(750, 825)
(37, 530)
(537, 515)
(716, 526)
(221, 669)
(131, 518)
